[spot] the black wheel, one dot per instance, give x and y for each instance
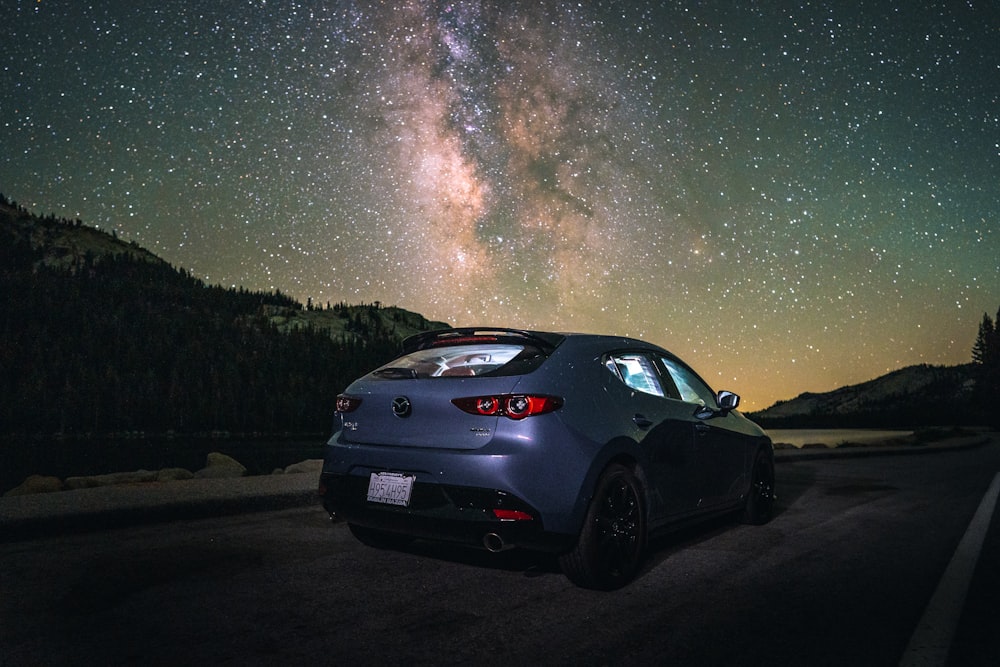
(377, 538)
(613, 538)
(760, 499)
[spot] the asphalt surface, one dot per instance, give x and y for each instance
(46, 514)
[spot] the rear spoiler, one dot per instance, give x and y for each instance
(468, 335)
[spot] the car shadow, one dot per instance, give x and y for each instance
(664, 544)
(789, 487)
(537, 564)
(792, 482)
(529, 563)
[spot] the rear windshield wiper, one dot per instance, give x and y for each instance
(395, 373)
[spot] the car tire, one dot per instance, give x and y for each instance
(760, 498)
(612, 542)
(377, 538)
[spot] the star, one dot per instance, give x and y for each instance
(794, 197)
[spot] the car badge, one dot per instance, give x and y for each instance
(401, 406)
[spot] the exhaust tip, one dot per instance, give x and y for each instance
(493, 542)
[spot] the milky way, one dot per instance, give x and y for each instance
(792, 195)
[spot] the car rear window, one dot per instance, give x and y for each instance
(492, 359)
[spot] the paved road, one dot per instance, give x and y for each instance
(841, 576)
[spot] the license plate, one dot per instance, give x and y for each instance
(390, 488)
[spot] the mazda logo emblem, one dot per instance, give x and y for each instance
(401, 406)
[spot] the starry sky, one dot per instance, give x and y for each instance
(792, 196)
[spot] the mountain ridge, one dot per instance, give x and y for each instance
(917, 395)
(66, 244)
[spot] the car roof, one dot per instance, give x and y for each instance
(546, 340)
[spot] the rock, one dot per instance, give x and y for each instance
(36, 484)
(173, 474)
(111, 479)
(220, 466)
(74, 483)
(220, 459)
(309, 466)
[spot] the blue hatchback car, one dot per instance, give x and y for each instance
(581, 445)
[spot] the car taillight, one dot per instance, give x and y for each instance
(347, 403)
(511, 515)
(513, 406)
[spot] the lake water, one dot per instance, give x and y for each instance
(831, 437)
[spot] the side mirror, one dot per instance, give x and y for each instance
(727, 401)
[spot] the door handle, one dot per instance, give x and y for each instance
(642, 422)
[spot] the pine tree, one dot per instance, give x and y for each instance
(993, 345)
(985, 340)
(986, 357)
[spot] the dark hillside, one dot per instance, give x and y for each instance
(102, 337)
(910, 397)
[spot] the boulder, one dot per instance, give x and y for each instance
(314, 466)
(36, 484)
(173, 474)
(221, 466)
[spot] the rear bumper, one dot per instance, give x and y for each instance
(448, 513)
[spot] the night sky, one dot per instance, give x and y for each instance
(792, 196)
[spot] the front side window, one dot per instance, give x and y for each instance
(690, 386)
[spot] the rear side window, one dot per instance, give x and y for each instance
(490, 359)
(637, 371)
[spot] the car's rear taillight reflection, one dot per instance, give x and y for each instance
(347, 403)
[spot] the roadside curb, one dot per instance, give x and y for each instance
(81, 510)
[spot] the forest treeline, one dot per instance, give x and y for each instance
(112, 343)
